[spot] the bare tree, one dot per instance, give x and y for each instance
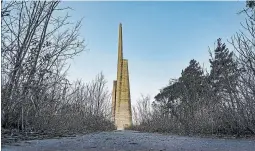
(244, 44)
(36, 43)
(143, 109)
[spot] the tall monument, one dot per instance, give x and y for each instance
(121, 103)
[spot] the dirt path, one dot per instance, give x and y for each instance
(133, 141)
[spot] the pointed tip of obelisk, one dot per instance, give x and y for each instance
(120, 25)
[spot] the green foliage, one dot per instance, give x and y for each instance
(224, 72)
(201, 103)
(184, 95)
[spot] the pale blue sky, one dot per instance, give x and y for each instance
(159, 38)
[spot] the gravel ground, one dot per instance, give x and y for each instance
(133, 141)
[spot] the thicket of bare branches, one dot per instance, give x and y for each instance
(244, 45)
(37, 41)
(142, 110)
(219, 102)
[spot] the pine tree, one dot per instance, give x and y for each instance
(192, 79)
(224, 72)
(223, 80)
(184, 95)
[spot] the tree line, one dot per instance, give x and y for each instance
(37, 43)
(218, 101)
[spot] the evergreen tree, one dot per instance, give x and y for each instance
(184, 95)
(224, 72)
(191, 79)
(224, 80)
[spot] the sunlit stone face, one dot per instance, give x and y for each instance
(121, 103)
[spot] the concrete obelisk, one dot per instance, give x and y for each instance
(121, 102)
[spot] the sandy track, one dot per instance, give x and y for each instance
(133, 141)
